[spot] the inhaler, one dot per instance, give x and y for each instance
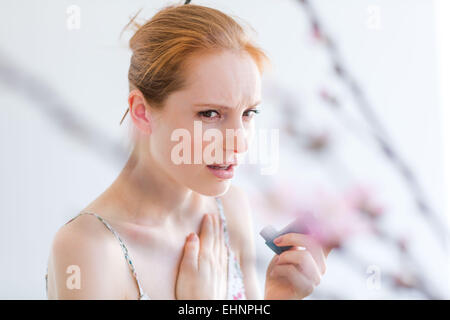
(269, 233)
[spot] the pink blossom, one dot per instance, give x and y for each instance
(362, 198)
(329, 217)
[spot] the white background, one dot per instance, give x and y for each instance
(47, 174)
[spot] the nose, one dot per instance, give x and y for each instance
(236, 139)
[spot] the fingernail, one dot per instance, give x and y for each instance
(277, 240)
(192, 237)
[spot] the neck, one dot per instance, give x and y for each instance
(146, 195)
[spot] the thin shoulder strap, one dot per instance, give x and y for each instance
(224, 221)
(122, 245)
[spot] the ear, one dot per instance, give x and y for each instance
(139, 111)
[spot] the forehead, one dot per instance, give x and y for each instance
(223, 77)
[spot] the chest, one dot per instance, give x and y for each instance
(157, 268)
(156, 260)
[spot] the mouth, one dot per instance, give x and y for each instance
(222, 167)
(222, 171)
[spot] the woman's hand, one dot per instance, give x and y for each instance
(294, 273)
(203, 268)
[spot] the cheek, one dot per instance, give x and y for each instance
(160, 147)
(250, 133)
(168, 147)
(162, 144)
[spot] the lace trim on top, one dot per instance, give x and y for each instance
(235, 287)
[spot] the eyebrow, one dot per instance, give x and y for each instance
(213, 105)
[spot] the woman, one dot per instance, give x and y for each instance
(184, 230)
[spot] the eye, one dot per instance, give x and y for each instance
(250, 113)
(208, 114)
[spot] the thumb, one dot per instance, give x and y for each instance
(190, 253)
(327, 249)
(272, 263)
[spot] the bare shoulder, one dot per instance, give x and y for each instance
(84, 257)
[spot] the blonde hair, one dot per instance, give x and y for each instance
(161, 46)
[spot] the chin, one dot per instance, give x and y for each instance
(213, 188)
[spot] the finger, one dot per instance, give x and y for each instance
(190, 253)
(223, 253)
(303, 261)
(308, 242)
(294, 277)
(206, 237)
(273, 261)
(216, 235)
(272, 264)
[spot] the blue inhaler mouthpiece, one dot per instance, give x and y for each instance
(269, 233)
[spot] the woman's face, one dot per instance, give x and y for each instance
(223, 90)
